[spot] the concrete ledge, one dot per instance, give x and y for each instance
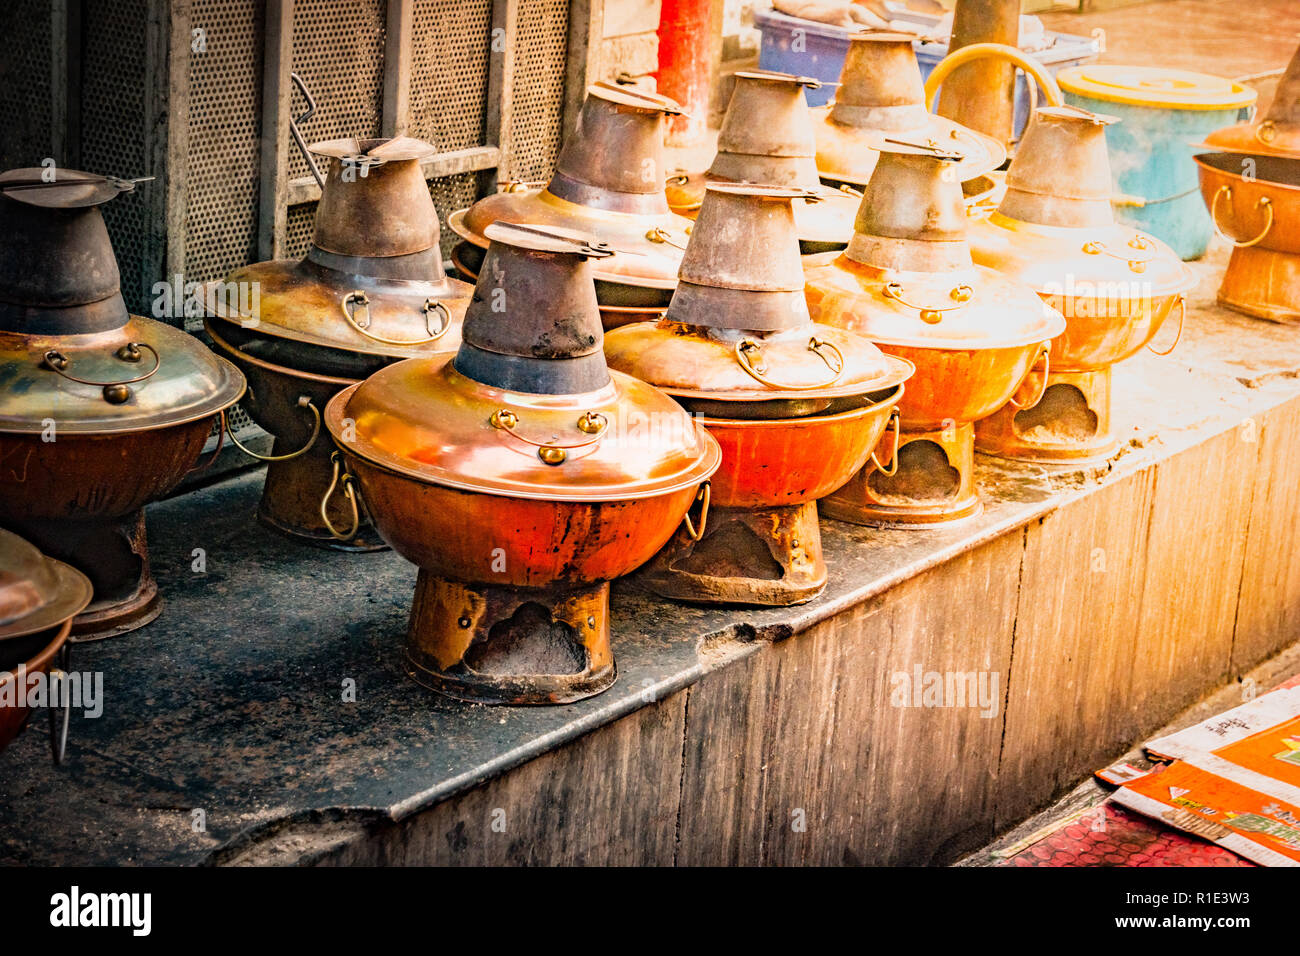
(1105, 603)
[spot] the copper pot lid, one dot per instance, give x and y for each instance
(36, 593)
(1055, 228)
(881, 95)
(738, 326)
(141, 376)
(1275, 132)
(326, 302)
(454, 423)
(373, 281)
(907, 277)
(608, 184)
(71, 356)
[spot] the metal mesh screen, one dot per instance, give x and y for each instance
(26, 84)
(298, 227)
(541, 45)
(450, 194)
(338, 50)
(449, 72)
(113, 132)
(221, 182)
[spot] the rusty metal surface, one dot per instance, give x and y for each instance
(375, 201)
(769, 557)
(293, 752)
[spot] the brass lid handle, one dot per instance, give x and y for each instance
(117, 392)
(750, 357)
(553, 452)
(931, 315)
(357, 300)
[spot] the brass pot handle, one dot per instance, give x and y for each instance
(115, 393)
(658, 234)
(896, 424)
(1182, 316)
(357, 297)
(303, 402)
(754, 366)
(1136, 263)
(1214, 217)
(349, 492)
(1044, 353)
(552, 453)
(703, 496)
(961, 295)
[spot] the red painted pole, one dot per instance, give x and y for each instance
(686, 51)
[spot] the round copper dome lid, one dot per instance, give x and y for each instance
(1276, 131)
(461, 424)
(36, 592)
(70, 353)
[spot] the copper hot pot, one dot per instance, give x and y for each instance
(1055, 231)
(370, 291)
(102, 411)
(39, 597)
(907, 282)
(797, 407)
(608, 185)
(521, 476)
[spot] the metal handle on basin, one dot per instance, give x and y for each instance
(357, 297)
(1214, 217)
(896, 424)
(1182, 315)
(304, 401)
(1044, 352)
(349, 492)
(115, 393)
(754, 366)
(703, 495)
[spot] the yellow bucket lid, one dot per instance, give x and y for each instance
(1155, 86)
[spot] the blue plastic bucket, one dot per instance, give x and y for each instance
(1162, 113)
(809, 48)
